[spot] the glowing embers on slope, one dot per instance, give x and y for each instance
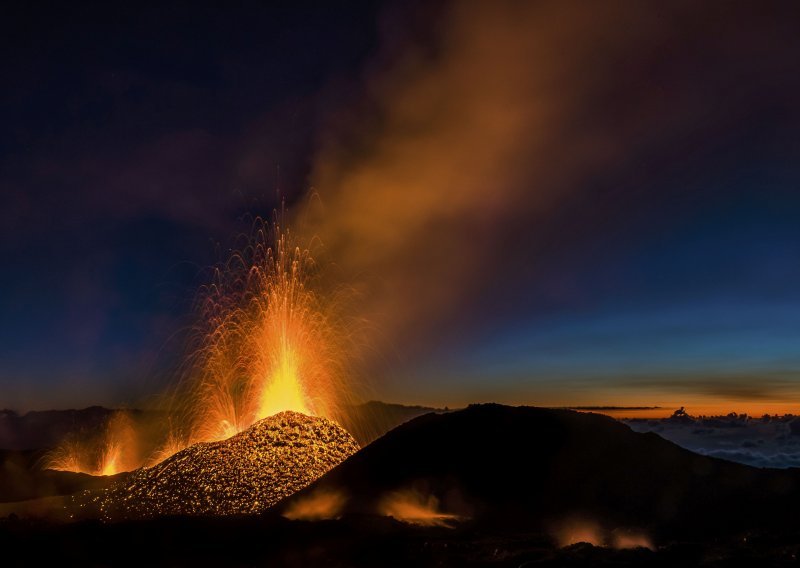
(247, 473)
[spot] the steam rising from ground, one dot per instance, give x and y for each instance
(411, 506)
(266, 342)
(574, 531)
(320, 505)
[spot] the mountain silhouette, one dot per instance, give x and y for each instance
(521, 467)
(496, 480)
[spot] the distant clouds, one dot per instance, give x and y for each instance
(769, 441)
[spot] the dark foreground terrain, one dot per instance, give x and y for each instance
(358, 541)
(495, 486)
(527, 468)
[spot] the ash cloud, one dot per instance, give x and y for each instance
(500, 117)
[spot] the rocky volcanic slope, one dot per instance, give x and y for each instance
(247, 473)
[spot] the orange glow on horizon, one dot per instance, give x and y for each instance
(721, 408)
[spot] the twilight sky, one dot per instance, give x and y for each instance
(541, 202)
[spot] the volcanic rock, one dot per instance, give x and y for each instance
(245, 474)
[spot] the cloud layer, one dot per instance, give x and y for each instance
(769, 441)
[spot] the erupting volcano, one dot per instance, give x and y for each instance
(267, 342)
(253, 419)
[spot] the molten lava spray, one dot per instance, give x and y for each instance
(266, 342)
(115, 450)
(269, 344)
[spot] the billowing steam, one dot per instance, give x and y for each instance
(581, 530)
(113, 450)
(320, 505)
(412, 507)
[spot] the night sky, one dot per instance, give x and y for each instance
(645, 250)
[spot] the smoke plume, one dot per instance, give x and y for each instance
(479, 124)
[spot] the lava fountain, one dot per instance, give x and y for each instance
(270, 342)
(266, 342)
(113, 451)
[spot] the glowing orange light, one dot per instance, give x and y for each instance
(416, 509)
(265, 343)
(272, 345)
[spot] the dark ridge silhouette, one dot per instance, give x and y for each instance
(512, 471)
(521, 467)
(369, 421)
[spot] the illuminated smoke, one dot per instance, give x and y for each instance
(497, 116)
(319, 505)
(576, 531)
(412, 507)
(631, 539)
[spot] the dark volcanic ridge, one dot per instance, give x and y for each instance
(245, 474)
(525, 467)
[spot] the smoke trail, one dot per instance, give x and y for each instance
(478, 127)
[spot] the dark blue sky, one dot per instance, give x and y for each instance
(136, 139)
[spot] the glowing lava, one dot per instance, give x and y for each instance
(266, 342)
(271, 344)
(245, 474)
(114, 451)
